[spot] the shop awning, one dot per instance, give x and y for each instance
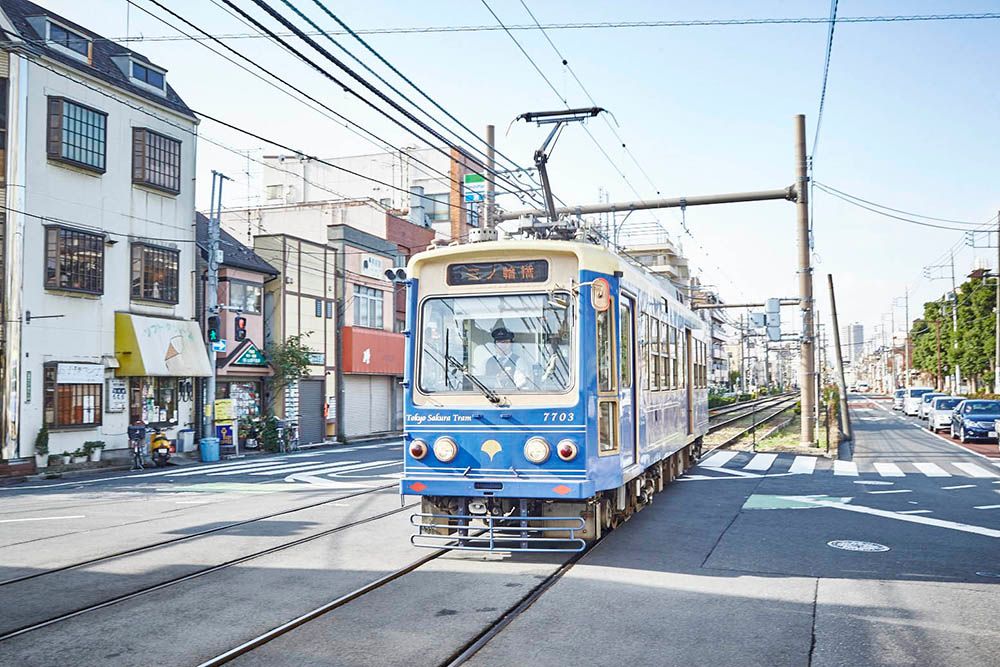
(156, 346)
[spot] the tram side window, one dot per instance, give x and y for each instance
(607, 427)
(605, 351)
(625, 362)
(646, 351)
(664, 356)
(654, 347)
(673, 358)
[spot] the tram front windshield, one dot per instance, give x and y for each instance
(519, 343)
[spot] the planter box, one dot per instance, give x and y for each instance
(79, 459)
(95, 456)
(41, 460)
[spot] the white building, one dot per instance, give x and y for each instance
(99, 252)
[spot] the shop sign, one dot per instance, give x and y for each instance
(80, 374)
(226, 433)
(373, 266)
(317, 358)
(117, 395)
(252, 356)
(224, 410)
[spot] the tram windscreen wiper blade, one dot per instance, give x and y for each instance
(490, 395)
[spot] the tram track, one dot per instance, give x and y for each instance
(774, 411)
(747, 410)
(192, 536)
(145, 590)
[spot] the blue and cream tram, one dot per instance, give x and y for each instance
(552, 387)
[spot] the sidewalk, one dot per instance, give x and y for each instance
(186, 459)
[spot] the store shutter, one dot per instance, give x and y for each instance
(357, 405)
(382, 407)
(311, 421)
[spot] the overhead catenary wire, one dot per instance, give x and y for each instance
(907, 213)
(826, 74)
(849, 200)
(624, 25)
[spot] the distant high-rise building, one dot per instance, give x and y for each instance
(852, 340)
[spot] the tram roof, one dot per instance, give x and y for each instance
(589, 255)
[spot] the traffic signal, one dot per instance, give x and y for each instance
(241, 328)
(213, 329)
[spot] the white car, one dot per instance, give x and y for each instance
(925, 402)
(897, 399)
(863, 387)
(939, 413)
(911, 400)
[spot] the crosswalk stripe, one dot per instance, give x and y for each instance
(341, 468)
(848, 468)
(975, 471)
(216, 469)
(280, 470)
(761, 462)
(803, 465)
(718, 459)
(932, 470)
(888, 469)
(241, 471)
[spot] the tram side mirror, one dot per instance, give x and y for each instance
(558, 300)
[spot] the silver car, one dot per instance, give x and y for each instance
(897, 399)
(939, 413)
(925, 402)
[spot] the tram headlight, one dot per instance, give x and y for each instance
(418, 449)
(566, 450)
(445, 449)
(536, 450)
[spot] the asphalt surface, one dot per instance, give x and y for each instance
(732, 564)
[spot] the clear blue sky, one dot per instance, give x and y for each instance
(911, 119)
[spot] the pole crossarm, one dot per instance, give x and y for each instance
(787, 194)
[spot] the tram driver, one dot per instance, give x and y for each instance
(505, 369)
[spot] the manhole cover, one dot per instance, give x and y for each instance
(855, 545)
(995, 575)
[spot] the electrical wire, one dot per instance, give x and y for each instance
(908, 213)
(849, 200)
(826, 73)
(618, 25)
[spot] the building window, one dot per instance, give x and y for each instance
(153, 400)
(438, 207)
(77, 134)
(472, 213)
(74, 260)
(367, 307)
(68, 39)
(319, 307)
(329, 310)
(156, 160)
(67, 405)
(155, 273)
(148, 75)
(399, 326)
(274, 192)
(245, 297)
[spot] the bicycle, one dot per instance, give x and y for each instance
(136, 443)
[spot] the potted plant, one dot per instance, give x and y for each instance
(42, 448)
(79, 456)
(93, 449)
(67, 458)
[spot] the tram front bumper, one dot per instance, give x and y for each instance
(549, 489)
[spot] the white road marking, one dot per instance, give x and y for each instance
(987, 507)
(893, 491)
(241, 471)
(301, 467)
(915, 512)
(191, 502)
(761, 462)
(931, 469)
(959, 486)
(910, 518)
(294, 477)
(803, 465)
(215, 470)
(849, 468)
(888, 470)
(44, 518)
(718, 459)
(975, 471)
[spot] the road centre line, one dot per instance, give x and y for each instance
(44, 518)
(959, 486)
(893, 491)
(915, 512)
(987, 507)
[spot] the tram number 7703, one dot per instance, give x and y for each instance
(558, 416)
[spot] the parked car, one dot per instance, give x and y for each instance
(940, 412)
(925, 402)
(911, 400)
(974, 420)
(863, 387)
(897, 399)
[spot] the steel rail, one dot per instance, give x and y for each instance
(183, 538)
(773, 400)
(728, 441)
(732, 407)
(199, 573)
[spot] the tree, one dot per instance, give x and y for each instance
(290, 362)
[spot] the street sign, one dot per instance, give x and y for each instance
(474, 187)
(218, 346)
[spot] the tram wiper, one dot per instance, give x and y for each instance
(490, 395)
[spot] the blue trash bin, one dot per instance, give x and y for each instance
(209, 449)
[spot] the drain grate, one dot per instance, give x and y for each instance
(856, 545)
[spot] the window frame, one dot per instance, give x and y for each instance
(50, 401)
(58, 229)
(372, 301)
(143, 246)
(610, 351)
(241, 307)
(149, 70)
(54, 140)
(144, 142)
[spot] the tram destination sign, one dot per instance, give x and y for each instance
(499, 273)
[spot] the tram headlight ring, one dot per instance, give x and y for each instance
(536, 450)
(418, 449)
(567, 450)
(445, 449)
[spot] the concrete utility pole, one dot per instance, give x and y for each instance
(339, 289)
(491, 185)
(807, 362)
(996, 330)
(845, 417)
(212, 298)
(954, 325)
